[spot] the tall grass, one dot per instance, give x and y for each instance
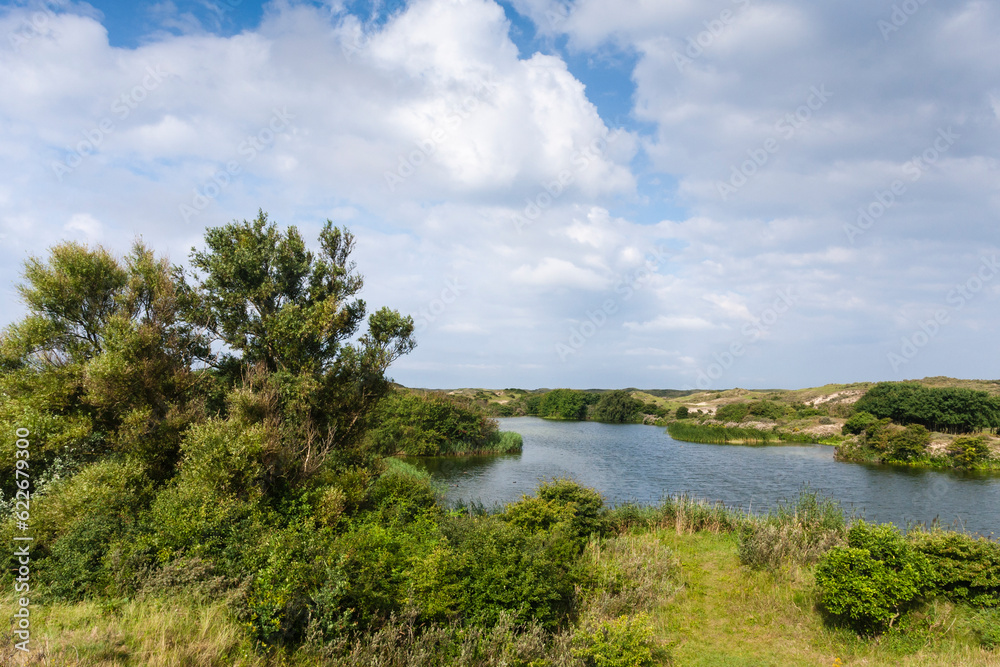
(798, 532)
(502, 442)
(715, 434)
(719, 435)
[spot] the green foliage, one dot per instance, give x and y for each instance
(909, 443)
(859, 423)
(718, 435)
(798, 532)
(732, 412)
(587, 505)
(102, 362)
(401, 493)
(872, 581)
(617, 407)
(626, 641)
(79, 520)
(966, 568)
(945, 409)
(767, 410)
(433, 425)
(563, 404)
(291, 320)
(682, 412)
(968, 451)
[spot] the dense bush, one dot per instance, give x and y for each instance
(431, 424)
(732, 412)
(968, 451)
(767, 410)
(564, 404)
(858, 423)
(623, 642)
(617, 407)
(871, 581)
(965, 568)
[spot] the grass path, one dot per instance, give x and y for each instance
(729, 616)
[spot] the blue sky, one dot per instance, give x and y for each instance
(576, 193)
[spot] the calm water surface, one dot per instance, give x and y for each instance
(639, 463)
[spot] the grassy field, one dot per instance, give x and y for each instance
(706, 609)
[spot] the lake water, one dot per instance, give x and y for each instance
(632, 462)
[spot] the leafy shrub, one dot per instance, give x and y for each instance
(767, 409)
(431, 424)
(967, 451)
(966, 568)
(624, 642)
(617, 407)
(587, 505)
(401, 493)
(858, 423)
(505, 569)
(733, 412)
(564, 404)
(908, 443)
(682, 412)
(869, 583)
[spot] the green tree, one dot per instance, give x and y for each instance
(287, 317)
(103, 361)
(617, 407)
(565, 404)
